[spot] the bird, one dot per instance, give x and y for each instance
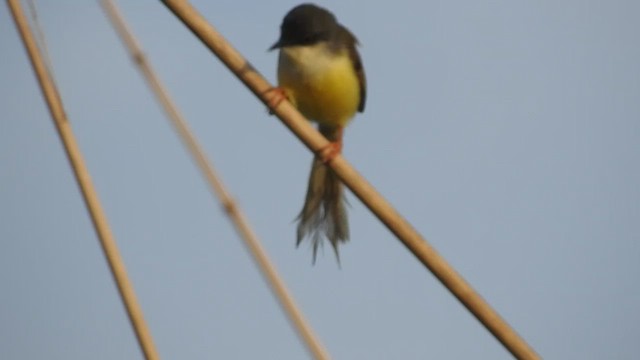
(320, 72)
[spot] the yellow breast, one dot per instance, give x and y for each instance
(322, 84)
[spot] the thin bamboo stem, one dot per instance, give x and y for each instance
(251, 241)
(109, 247)
(352, 179)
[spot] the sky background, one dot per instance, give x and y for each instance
(507, 132)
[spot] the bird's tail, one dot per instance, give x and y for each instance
(324, 213)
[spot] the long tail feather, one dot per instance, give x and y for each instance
(324, 214)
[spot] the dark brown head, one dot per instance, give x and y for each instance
(306, 24)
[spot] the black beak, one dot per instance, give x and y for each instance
(277, 45)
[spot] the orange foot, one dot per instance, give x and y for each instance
(329, 152)
(275, 96)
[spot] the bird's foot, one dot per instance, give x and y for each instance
(330, 151)
(276, 95)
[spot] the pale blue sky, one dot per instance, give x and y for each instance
(507, 132)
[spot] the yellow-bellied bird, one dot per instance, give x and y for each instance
(320, 72)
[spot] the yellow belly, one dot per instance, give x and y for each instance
(321, 84)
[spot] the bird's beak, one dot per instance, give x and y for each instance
(277, 45)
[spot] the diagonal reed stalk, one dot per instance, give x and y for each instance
(108, 243)
(238, 219)
(359, 186)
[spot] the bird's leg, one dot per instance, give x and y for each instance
(275, 95)
(331, 150)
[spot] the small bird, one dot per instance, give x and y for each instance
(321, 74)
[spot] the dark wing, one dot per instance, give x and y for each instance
(347, 37)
